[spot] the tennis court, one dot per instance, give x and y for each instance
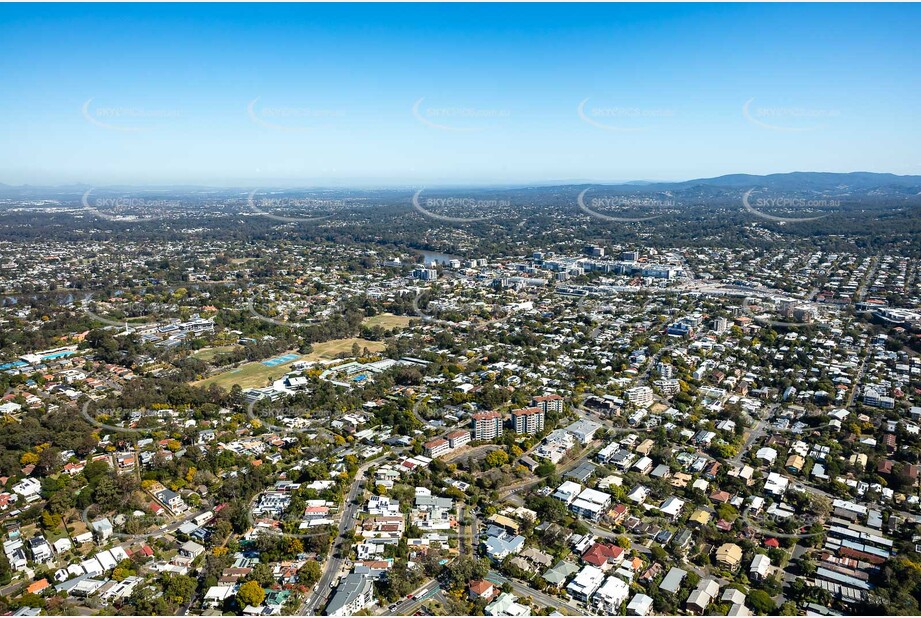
(280, 360)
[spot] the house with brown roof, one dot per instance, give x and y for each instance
(481, 589)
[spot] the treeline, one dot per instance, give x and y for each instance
(61, 430)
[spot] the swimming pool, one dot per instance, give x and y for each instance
(59, 355)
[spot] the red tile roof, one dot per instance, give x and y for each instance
(600, 554)
(480, 587)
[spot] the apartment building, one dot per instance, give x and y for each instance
(458, 438)
(548, 403)
(528, 420)
(487, 425)
(437, 447)
(639, 395)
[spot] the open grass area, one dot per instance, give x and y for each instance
(208, 354)
(388, 321)
(331, 349)
(248, 375)
(257, 375)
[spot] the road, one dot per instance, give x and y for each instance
(523, 590)
(164, 530)
(868, 351)
(334, 562)
(868, 280)
(754, 435)
(409, 606)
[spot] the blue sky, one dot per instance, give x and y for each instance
(257, 95)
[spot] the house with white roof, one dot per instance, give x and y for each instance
(585, 583)
(767, 454)
(639, 605)
(591, 504)
(28, 487)
(776, 484)
(567, 492)
(672, 507)
(506, 605)
(760, 567)
(638, 494)
(610, 597)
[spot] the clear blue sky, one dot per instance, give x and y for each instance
(251, 95)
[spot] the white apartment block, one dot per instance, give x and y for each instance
(639, 395)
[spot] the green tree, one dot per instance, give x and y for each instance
(262, 573)
(250, 593)
(761, 602)
(497, 458)
(6, 572)
(310, 573)
(179, 588)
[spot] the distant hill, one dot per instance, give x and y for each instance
(800, 181)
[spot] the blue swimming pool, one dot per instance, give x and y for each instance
(59, 355)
